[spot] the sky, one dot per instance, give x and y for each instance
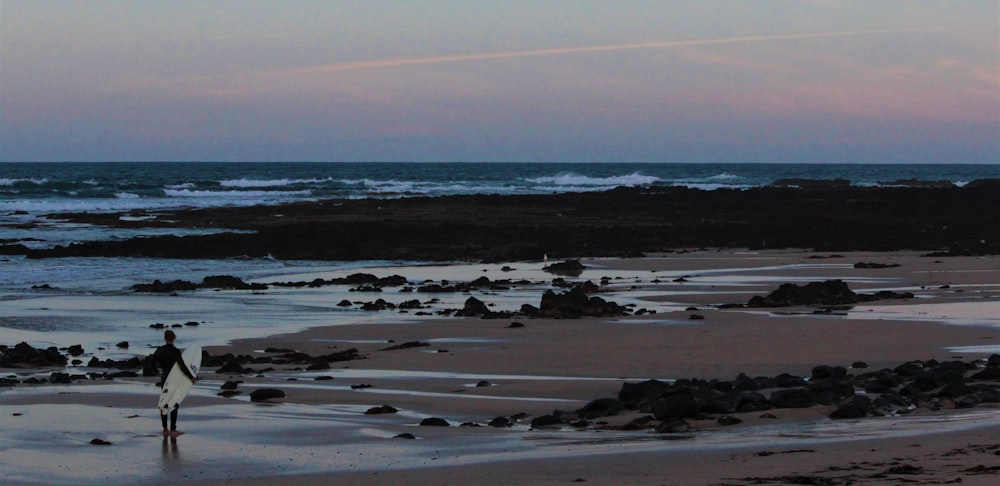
(791, 81)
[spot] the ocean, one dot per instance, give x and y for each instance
(37, 188)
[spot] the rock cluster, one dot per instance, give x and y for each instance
(217, 282)
(827, 293)
(917, 384)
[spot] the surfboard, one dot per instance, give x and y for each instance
(177, 384)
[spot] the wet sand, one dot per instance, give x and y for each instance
(319, 432)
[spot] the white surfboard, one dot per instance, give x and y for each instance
(177, 384)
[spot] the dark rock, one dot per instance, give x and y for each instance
(576, 303)
(830, 292)
(434, 422)
(856, 406)
(675, 405)
(824, 372)
(405, 435)
(634, 395)
(266, 394)
(793, 398)
(569, 268)
(122, 345)
(473, 307)
(875, 265)
(676, 426)
(229, 385)
(729, 420)
(602, 407)
(516, 325)
(384, 409)
(227, 282)
(99, 442)
(545, 421)
(165, 287)
(500, 422)
(406, 345)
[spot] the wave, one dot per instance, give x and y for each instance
(259, 183)
(189, 193)
(13, 182)
(571, 179)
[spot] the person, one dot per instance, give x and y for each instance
(164, 358)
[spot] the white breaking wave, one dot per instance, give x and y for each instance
(188, 193)
(577, 180)
(126, 195)
(33, 180)
(258, 183)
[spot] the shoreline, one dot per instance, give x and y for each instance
(546, 365)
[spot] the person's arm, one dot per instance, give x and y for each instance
(184, 367)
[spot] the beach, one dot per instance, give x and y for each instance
(471, 370)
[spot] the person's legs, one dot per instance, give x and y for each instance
(163, 419)
(173, 424)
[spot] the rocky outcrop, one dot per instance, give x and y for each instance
(917, 384)
(824, 216)
(217, 282)
(576, 303)
(827, 293)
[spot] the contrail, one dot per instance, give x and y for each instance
(410, 61)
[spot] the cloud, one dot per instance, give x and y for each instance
(410, 61)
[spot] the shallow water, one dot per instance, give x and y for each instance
(48, 444)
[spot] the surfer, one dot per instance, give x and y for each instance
(165, 357)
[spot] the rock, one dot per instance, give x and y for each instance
(729, 420)
(165, 287)
(856, 406)
(266, 394)
(405, 435)
(474, 307)
(384, 409)
(227, 282)
(576, 303)
(434, 422)
(602, 407)
(516, 325)
(122, 345)
(875, 265)
(635, 395)
(793, 398)
(830, 292)
(406, 345)
(569, 268)
(676, 426)
(500, 422)
(545, 421)
(676, 405)
(229, 385)
(99, 442)
(824, 372)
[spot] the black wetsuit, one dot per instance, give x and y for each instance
(164, 358)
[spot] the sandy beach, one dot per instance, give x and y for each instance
(469, 370)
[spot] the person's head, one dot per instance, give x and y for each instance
(169, 336)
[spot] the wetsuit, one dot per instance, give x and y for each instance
(165, 357)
